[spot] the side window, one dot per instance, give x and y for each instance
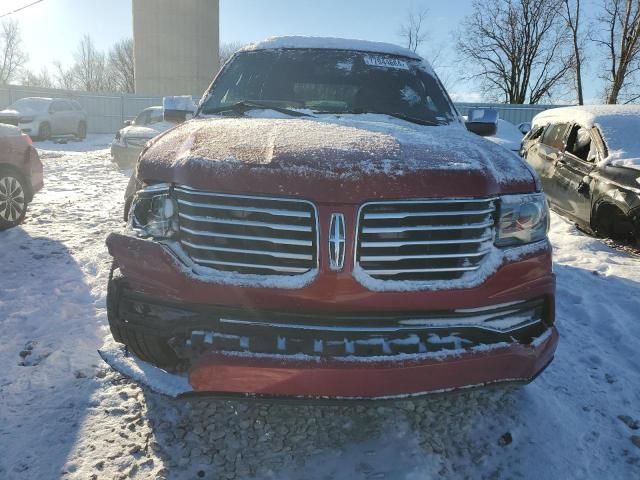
(64, 106)
(55, 107)
(142, 118)
(579, 143)
(534, 133)
(155, 116)
(554, 135)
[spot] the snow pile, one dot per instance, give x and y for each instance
(507, 136)
(618, 124)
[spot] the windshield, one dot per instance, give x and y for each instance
(33, 104)
(331, 81)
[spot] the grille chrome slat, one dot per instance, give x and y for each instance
(246, 223)
(424, 240)
(395, 258)
(284, 241)
(295, 256)
(270, 211)
(388, 216)
(427, 228)
(248, 234)
(421, 270)
(251, 265)
(486, 238)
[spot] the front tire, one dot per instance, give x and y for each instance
(13, 199)
(149, 348)
(81, 133)
(44, 132)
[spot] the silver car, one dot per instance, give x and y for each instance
(131, 139)
(43, 118)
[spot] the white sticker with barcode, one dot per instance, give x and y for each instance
(385, 62)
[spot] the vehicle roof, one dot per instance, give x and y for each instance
(587, 115)
(329, 43)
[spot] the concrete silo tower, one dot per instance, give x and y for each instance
(176, 45)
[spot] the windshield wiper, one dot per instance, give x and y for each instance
(401, 116)
(245, 106)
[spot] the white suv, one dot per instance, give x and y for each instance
(43, 118)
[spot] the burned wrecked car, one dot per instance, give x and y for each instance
(588, 159)
(326, 226)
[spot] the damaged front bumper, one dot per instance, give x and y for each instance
(234, 350)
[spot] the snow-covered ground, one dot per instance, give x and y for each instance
(64, 414)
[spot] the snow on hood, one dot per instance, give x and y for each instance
(619, 125)
(348, 148)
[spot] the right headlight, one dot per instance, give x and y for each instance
(522, 219)
(154, 212)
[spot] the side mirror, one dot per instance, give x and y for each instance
(524, 128)
(178, 109)
(482, 121)
(128, 123)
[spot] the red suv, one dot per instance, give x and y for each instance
(326, 226)
(20, 175)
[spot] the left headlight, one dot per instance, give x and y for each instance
(523, 219)
(154, 212)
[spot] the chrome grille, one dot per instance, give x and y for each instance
(424, 240)
(248, 234)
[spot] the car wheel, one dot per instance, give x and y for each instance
(147, 347)
(81, 133)
(13, 199)
(611, 222)
(44, 132)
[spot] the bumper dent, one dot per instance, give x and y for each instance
(223, 373)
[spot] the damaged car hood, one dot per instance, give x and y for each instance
(333, 159)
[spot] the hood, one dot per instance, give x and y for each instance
(333, 159)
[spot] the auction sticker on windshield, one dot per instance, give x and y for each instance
(386, 62)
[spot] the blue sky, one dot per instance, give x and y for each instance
(52, 29)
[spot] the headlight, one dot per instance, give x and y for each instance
(523, 219)
(154, 212)
(25, 119)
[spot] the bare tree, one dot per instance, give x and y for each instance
(90, 69)
(227, 49)
(33, 79)
(64, 77)
(412, 31)
(12, 57)
(121, 66)
(517, 49)
(571, 13)
(620, 21)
